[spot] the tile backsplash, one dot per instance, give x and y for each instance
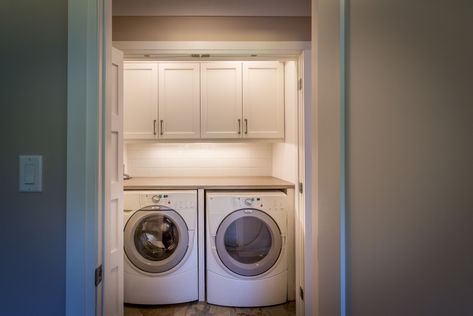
(198, 159)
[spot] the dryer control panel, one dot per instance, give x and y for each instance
(259, 202)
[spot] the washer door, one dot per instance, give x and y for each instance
(248, 242)
(156, 239)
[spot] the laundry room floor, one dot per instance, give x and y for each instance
(204, 309)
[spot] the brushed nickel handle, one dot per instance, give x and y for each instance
(161, 125)
(246, 126)
(154, 127)
(239, 126)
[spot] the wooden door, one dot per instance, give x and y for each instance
(221, 107)
(263, 99)
(179, 101)
(113, 186)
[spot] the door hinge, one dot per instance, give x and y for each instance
(301, 187)
(301, 292)
(299, 84)
(98, 275)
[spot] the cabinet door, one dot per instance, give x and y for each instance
(140, 100)
(221, 100)
(179, 100)
(263, 99)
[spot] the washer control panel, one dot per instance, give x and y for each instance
(171, 200)
(157, 198)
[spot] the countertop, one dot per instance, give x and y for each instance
(233, 183)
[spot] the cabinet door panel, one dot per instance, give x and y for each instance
(179, 100)
(221, 100)
(263, 99)
(140, 100)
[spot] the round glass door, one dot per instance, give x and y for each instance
(248, 242)
(156, 240)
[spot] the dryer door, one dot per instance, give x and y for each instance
(156, 239)
(248, 242)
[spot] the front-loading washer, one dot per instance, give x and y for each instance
(246, 248)
(160, 241)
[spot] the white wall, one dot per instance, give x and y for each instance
(285, 155)
(199, 159)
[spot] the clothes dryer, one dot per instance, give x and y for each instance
(160, 241)
(246, 248)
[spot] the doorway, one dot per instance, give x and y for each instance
(90, 136)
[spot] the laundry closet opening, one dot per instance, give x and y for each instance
(198, 122)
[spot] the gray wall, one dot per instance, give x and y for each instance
(214, 28)
(411, 157)
(33, 121)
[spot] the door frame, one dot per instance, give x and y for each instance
(87, 55)
(88, 38)
(306, 269)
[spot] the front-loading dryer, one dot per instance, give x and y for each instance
(246, 248)
(160, 241)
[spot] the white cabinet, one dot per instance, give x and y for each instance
(211, 100)
(248, 104)
(174, 112)
(140, 99)
(263, 99)
(221, 105)
(179, 100)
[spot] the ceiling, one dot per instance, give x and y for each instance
(211, 7)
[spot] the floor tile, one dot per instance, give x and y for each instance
(204, 309)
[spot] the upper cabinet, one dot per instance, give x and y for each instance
(179, 100)
(221, 100)
(173, 113)
(208, 100)
(140, 99)
(263, 99)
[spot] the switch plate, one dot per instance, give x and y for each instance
(31, 173)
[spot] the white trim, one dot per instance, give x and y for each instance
(306, 130)
(303, 200)
(83, 112)
(289, 49)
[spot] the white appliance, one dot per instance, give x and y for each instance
(246, 248)
(160, 241)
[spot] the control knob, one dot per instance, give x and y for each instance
(249, 201)
(156, 198)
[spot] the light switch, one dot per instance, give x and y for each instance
(31, 171)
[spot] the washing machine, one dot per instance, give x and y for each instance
(246, 248)
(160, 241)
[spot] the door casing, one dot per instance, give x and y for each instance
(89, 40)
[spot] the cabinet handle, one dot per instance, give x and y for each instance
(161, 122)
(239, 126)
(246, 126)
(154, 127)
